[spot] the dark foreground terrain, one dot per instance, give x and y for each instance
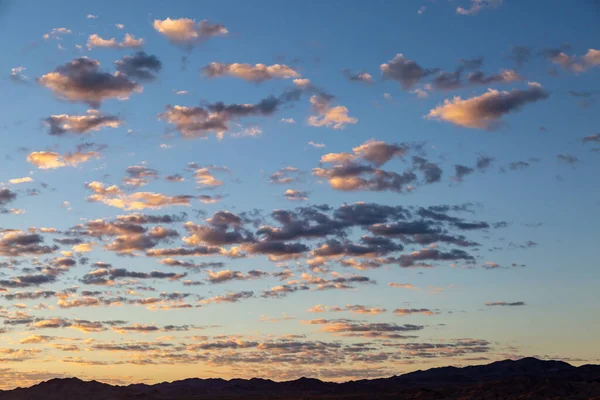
(528, 378)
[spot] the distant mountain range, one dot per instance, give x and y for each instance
(528, 378)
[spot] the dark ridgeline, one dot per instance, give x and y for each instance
(528, 378)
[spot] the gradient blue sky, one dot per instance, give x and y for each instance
(552, 202)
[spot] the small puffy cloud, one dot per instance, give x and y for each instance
(375, 151)
(215, 118)
(505, 304)
(412, 311)
(136, 200)
(316, 145)
(254, 73)
(302, 82)
(350, 328)
(129, 41)
(17, 75)
(485, 111)
(349, 174)
(205, 178)
(35, 339)
(17, 243)
(140, 66)
(520, 55)
(332, 117)
(91, 16)
(231, 297)
(17, 181)
(478, 5)
(96, 41)
(82, 81)
(405, 71)
(139, 175)
(56, 33)
(295, 195)
(567, 158)
(363, 77)
(187, 31)
(283, 176)
(592, 138)
(573, 63)
(52, 160)
(83, 247)
(76, 124)
(504, 76)
(288, 121)
(421, 94)
(401, 285)
(120, 26)
(6, 196)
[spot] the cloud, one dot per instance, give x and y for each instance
(519, 165)
(295, 195)
(7, 196)
(187, 31)
(432, 254)
(231, 297)
(332, 117)
(378, 152)
(18, 181)
(478, 5)
(401, 285)
(573, 63)
(205, 178)
(348, 173)
(35, 339)
(567, 159)
(354, 309)
(17, 75)
(139, 175)
(193, 122)
(520, 55)
(591, 138)
(114, 197)
(52, 160)
(505, 304)
(316, 145)
(485, 111)
(56, 33)
(129, 41)
(405, 71)
(380, 330)
(229, 275)
(82, 81)
(76, 124)
(254, 73)
(505, 76)
(363, 77)
(411, 311)
(282, 176)
(460, 171)
(140, 65)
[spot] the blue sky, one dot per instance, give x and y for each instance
(536, 201)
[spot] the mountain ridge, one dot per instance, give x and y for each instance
(527, 378)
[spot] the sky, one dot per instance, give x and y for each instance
(339, 189)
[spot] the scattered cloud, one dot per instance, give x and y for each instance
(187, 31)
(254, 73)
(486, 111)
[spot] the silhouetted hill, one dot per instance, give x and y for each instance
(528, 378)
